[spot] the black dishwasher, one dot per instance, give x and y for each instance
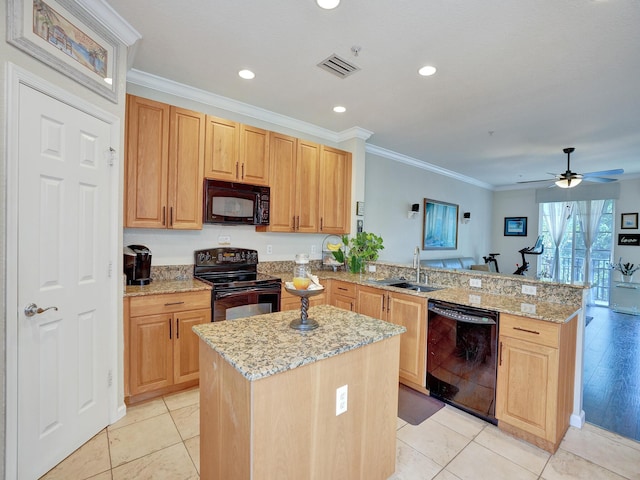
(462, 357)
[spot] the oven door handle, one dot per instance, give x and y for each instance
(229, 293)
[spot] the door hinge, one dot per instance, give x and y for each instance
(111, 156)
(110, 269)
(109, 378)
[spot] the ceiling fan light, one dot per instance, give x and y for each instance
(568, 182)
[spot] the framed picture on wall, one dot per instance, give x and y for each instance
(63, 35)
(440, 225)
(515, 226)
(629, 221)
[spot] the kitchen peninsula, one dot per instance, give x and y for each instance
(271, 401)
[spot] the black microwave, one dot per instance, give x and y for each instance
(235, 203)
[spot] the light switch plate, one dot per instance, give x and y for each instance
(341, 399)
(529, 289)
(475, 282)
(527, 308)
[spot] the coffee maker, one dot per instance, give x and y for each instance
(137, 264)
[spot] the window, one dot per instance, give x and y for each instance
(573, 254)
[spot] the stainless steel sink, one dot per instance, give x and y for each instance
(413, 286)
(403, 283)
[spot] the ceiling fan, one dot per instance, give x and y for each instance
(571, 179)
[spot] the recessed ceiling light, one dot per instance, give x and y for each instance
(246, 74)
(328, 4)
(427, 71)
(339, 109)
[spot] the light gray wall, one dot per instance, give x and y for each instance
(392, 187)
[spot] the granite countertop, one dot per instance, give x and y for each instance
(264, 345)
(166, 286)
(532, 308)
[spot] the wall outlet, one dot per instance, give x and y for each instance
(527, 308)
(475, 299)
(529, 289)
(313, 249)
(475, 282)
(341, 399)
(269, 249)
(224, 240)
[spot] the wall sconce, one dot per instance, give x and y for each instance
(466, 216)
(415, 208)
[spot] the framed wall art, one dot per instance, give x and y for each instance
(440, 225)
(63, 35)
(629, 221)
(515, 226)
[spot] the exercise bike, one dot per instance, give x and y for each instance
(491, 258)
(537, 249)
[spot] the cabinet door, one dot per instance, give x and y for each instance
(222, 149)
(150, 353)
(283, 154)
(186, 165)
(411, 313)
(307, 173)
(372, 302)
(146, 163)
(335, 191)
(526, 390)
(185, 344)
(254, 155)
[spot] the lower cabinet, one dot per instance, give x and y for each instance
(161, 348)
(408, 311)
(536, 365)
(343, 295)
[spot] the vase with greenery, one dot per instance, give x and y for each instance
(357, 251)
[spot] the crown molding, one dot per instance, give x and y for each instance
(111, 20)
(414, 162)
(162, 84)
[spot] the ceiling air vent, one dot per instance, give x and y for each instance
(338, 66)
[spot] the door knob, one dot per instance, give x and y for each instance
(33, 309)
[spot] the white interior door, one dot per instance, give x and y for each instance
(63, 262)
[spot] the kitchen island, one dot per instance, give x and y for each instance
(272, 402)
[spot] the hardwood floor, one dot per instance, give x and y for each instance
(611, 395)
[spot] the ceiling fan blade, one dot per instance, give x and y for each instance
(599, 179)
(618, 171)
(538, 181)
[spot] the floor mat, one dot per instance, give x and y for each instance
(415, 407)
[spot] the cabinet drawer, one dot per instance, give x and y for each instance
(169, 303)
(344, 289)
(531, 330)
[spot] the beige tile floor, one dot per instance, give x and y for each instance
(160, 440)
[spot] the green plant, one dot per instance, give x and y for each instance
(364, 247)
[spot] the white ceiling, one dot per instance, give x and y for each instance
(517, 80)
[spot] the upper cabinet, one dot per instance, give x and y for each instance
(335, 191)
(164, 164)
(236, 152)
(310, 187)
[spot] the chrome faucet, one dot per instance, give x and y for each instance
(416, 263)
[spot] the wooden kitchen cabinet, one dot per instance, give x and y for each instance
(163, 166)
(335, 191)
(310, 187)
(343, 295)
(408, 311)
(534, 391)
(161, 348)
(236, 152)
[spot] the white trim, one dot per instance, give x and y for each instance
(111, 20)
(399, 157)
(161, 84)
(14, 77)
